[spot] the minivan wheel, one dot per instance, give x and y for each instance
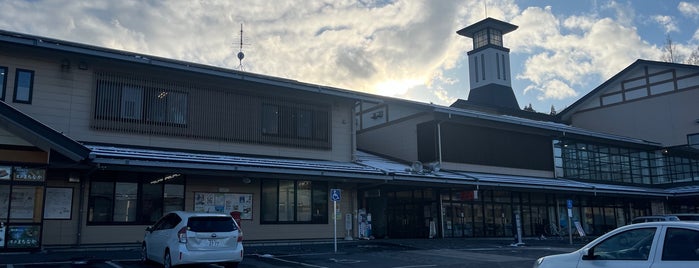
(167, 262)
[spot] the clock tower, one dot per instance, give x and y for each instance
(489, 64)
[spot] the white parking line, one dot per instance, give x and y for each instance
(288, 261)
(113, 264)
(414, 266)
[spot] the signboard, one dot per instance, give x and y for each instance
(335, 194)
(5, 172)
(29, 174)
(569, 203)
(23, 236)
(59, 203)
(224, 203)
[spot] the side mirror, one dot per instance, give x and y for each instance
(149, 229)
(588, 254)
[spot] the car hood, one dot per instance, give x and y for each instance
(566, 260)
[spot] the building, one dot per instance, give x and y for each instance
(606, 164)
(96, 144)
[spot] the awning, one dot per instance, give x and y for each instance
(39, 134)
(124, 156)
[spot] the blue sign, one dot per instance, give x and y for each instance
(335, 194)
(570, 203)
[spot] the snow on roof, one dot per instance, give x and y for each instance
(101, 153)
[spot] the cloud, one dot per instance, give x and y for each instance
(689, 9)
(567, 52)
(390, 47)
(667, 22)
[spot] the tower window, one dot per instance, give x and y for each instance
(495, 37)
(480, 38)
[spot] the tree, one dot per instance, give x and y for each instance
(670, 51)
(529, 108)
(553, 111)
(694, 57)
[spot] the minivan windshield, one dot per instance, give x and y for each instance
(211, 224)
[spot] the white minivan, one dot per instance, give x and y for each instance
(182, 237)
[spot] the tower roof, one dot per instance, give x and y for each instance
(504, 27)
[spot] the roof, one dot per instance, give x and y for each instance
(494, 95)
(39, 134)
(563, 129)
(470, 30)
(566, 113)
(126, 156)
(83, 49)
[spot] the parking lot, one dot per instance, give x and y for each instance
(395, 253)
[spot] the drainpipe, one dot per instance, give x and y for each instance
(353, 130)
(439, 143)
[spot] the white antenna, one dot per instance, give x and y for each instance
(241, 55)
(485, 6)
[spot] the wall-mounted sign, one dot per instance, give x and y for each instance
(29, 174)
(224, 203)
(23, 236)
(5, 172)
(59, 202)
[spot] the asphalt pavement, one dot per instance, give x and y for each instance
(499, 249)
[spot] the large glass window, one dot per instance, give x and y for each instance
(291, 201)
(137, 198)
(3, 81)
(24, 85)
(586, 161)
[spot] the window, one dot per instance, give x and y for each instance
(24, 83)
(140, 104)
(295, 122)
(134, 198)
(292, 201)
(495, 37)
(681, 245)
(3, 82)
(480, 38)
(629, 245)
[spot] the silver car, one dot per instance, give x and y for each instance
(662, 244)
(182, 237)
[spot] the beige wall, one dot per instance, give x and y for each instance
(385, 140)
(63, 100)
(664, 118)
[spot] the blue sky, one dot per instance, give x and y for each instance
(404, 49)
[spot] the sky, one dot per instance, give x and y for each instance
(405, 49)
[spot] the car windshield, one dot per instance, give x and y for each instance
(211, 224)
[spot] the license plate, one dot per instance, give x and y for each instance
(215, 243)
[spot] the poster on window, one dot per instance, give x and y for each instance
(224, 203)
(59, 202)
(5, 172)
(2, 235)
(23, 236)
(22, 204)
